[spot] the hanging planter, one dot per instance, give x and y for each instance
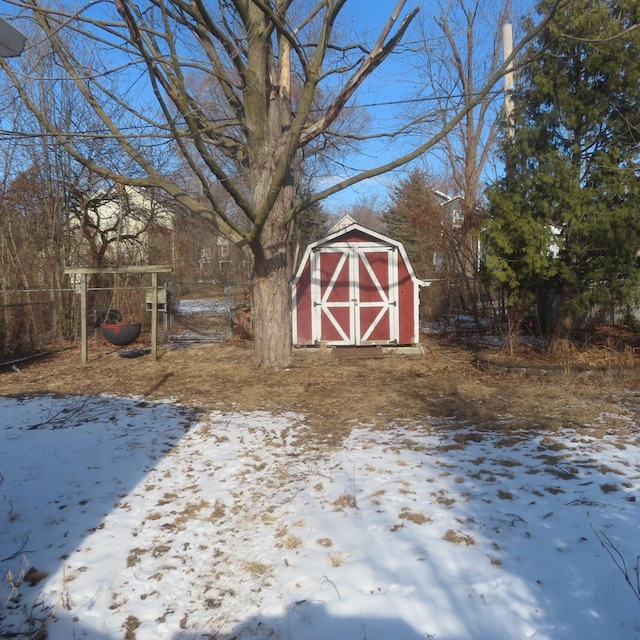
(121, 333)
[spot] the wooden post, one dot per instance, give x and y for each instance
(154, 316)
(84, 349)
(154, 270)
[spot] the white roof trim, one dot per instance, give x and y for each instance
(445, 197)
(11, 40)
(374, 234)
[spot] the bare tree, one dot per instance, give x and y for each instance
(55, 211)
(367, 211)
(460, 51)
(251, 142)
(34, 226)
(459, 56)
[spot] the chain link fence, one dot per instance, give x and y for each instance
(457, 303)
(207, 311)
(28, 322)
(198, 311)
(33, 321)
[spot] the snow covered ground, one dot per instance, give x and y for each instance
(120, 518)
(204, 320)
(206, 305)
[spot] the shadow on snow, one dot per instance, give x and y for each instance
(542, 586)
(103, 447)
(312, 621)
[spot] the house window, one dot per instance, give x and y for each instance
(456, 217)
(223, 247)
(204, 258)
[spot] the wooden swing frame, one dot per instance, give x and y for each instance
(84, 272)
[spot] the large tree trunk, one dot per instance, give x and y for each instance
(272, 317)
(272, 293)
(272, 270)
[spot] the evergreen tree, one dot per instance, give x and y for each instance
(311, 225)
(564, 220)
(414, 217)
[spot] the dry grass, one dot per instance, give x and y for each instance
(325, 542)
(135, 556)
(292, 542)
(607, 353)
(346, 500)
(130, 625)
(415, 516)
(257, 568)
(456, 537)
(332, 395)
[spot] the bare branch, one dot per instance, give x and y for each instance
(373, 60)
(477, 99)
(619, 561)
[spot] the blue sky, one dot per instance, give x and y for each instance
(385, 86)
(398, 79)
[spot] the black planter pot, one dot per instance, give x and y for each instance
(121, 333)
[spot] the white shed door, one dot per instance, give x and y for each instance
(354, 294)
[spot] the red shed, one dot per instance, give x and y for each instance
(355, 287)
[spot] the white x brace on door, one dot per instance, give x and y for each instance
(354, 294)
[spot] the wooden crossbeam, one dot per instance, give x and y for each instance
(154, 270)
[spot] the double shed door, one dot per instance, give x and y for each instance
(354, 294)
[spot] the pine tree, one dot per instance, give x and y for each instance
(565, 218)
(414, 217)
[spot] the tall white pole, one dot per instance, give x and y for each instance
(507, 38)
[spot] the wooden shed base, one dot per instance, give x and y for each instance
(375, 351)
(357, 352)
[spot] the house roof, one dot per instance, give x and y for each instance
(11, 40)
(374, 235)
(444, 198)
(345, 221)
